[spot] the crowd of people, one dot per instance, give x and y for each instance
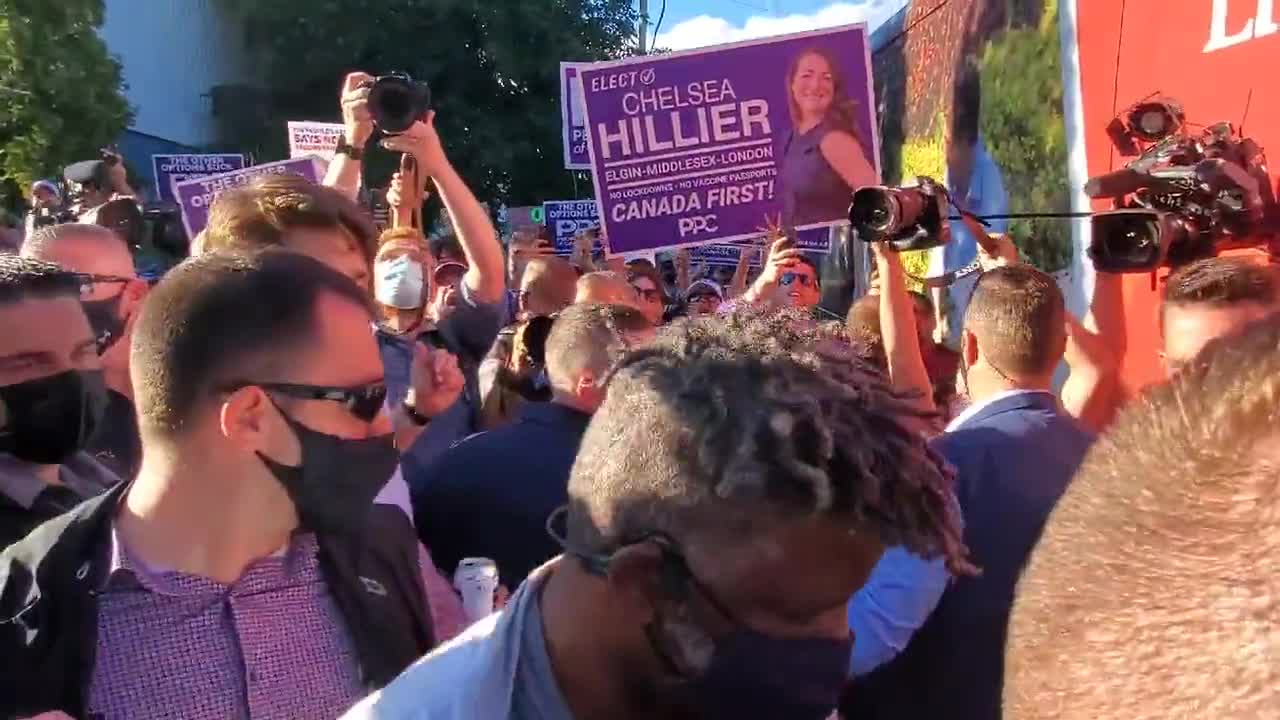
(246, 491)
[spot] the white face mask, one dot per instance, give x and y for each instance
(398, 283)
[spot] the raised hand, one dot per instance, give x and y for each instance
(355, 108)
(436, 382)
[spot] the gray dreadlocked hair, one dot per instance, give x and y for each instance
(727, 423)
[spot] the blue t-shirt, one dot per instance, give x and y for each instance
(467, 332)
(536, 695)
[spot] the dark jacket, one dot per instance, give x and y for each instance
(490, 495)
(1014, 459)
(48, 605)
(82, 476)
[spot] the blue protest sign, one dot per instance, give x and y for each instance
(171, 169)
(566, 218)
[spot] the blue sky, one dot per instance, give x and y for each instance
(696, 23)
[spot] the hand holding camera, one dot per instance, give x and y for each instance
(421, 142)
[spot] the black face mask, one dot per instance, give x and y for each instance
(751, 674)
(104, 319)
(49, 419)
(334, 487)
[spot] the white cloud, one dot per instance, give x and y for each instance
(705, 30)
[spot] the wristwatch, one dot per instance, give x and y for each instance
(418, 418)
(345, 148)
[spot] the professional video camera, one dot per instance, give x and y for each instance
(1186, 196)
(396, 101)
(909, 218)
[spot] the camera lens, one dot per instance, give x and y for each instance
(396, 102)
(1133, 240)
(873, 213)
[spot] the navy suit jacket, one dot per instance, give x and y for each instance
(1014, 458)
(490, 495)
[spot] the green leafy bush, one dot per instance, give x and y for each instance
(1023, 126)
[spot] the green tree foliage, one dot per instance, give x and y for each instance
(1024, 129)
(923, 156)
(493, 68)
(61, 93)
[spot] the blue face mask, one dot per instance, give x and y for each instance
(398, 283)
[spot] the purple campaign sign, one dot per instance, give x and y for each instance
(195, 196)
(703, 145)
(572, 120)
(170, 169)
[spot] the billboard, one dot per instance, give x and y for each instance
(706, 145)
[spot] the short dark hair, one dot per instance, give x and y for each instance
(23, 277)
(644, 268)
(589, 336)
(446, 247)
(222, 317)
(1220, 282)
(726, 425)
(256, 216)
(1151, 591)
(1018, 315)
(817, 273)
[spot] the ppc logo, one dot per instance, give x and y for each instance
(567, 228)
(697, 224)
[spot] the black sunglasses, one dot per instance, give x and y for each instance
(801, 279)
(89, 280)
(364, 401)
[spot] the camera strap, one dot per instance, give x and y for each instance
(948, 278)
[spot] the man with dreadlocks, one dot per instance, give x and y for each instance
(1015, 451)
(733, 491)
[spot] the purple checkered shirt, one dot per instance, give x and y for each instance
(271, 645)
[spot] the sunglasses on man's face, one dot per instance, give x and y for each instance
(794, 278)
(90, 281)
(703, 298)
(362, 401)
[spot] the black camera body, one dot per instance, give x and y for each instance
(1184, 198)
(908, 218)
(47, 216)
(397, 101)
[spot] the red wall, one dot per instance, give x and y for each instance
(1131, 49)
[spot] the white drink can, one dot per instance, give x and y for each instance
(476, 580)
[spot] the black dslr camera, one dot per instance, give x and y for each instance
(1185, 197)
(909, 218)
(397, 101)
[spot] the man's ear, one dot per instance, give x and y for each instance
(635, 579)
(135, 292)
(968, 348)
(586, 385)
(245, 419)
